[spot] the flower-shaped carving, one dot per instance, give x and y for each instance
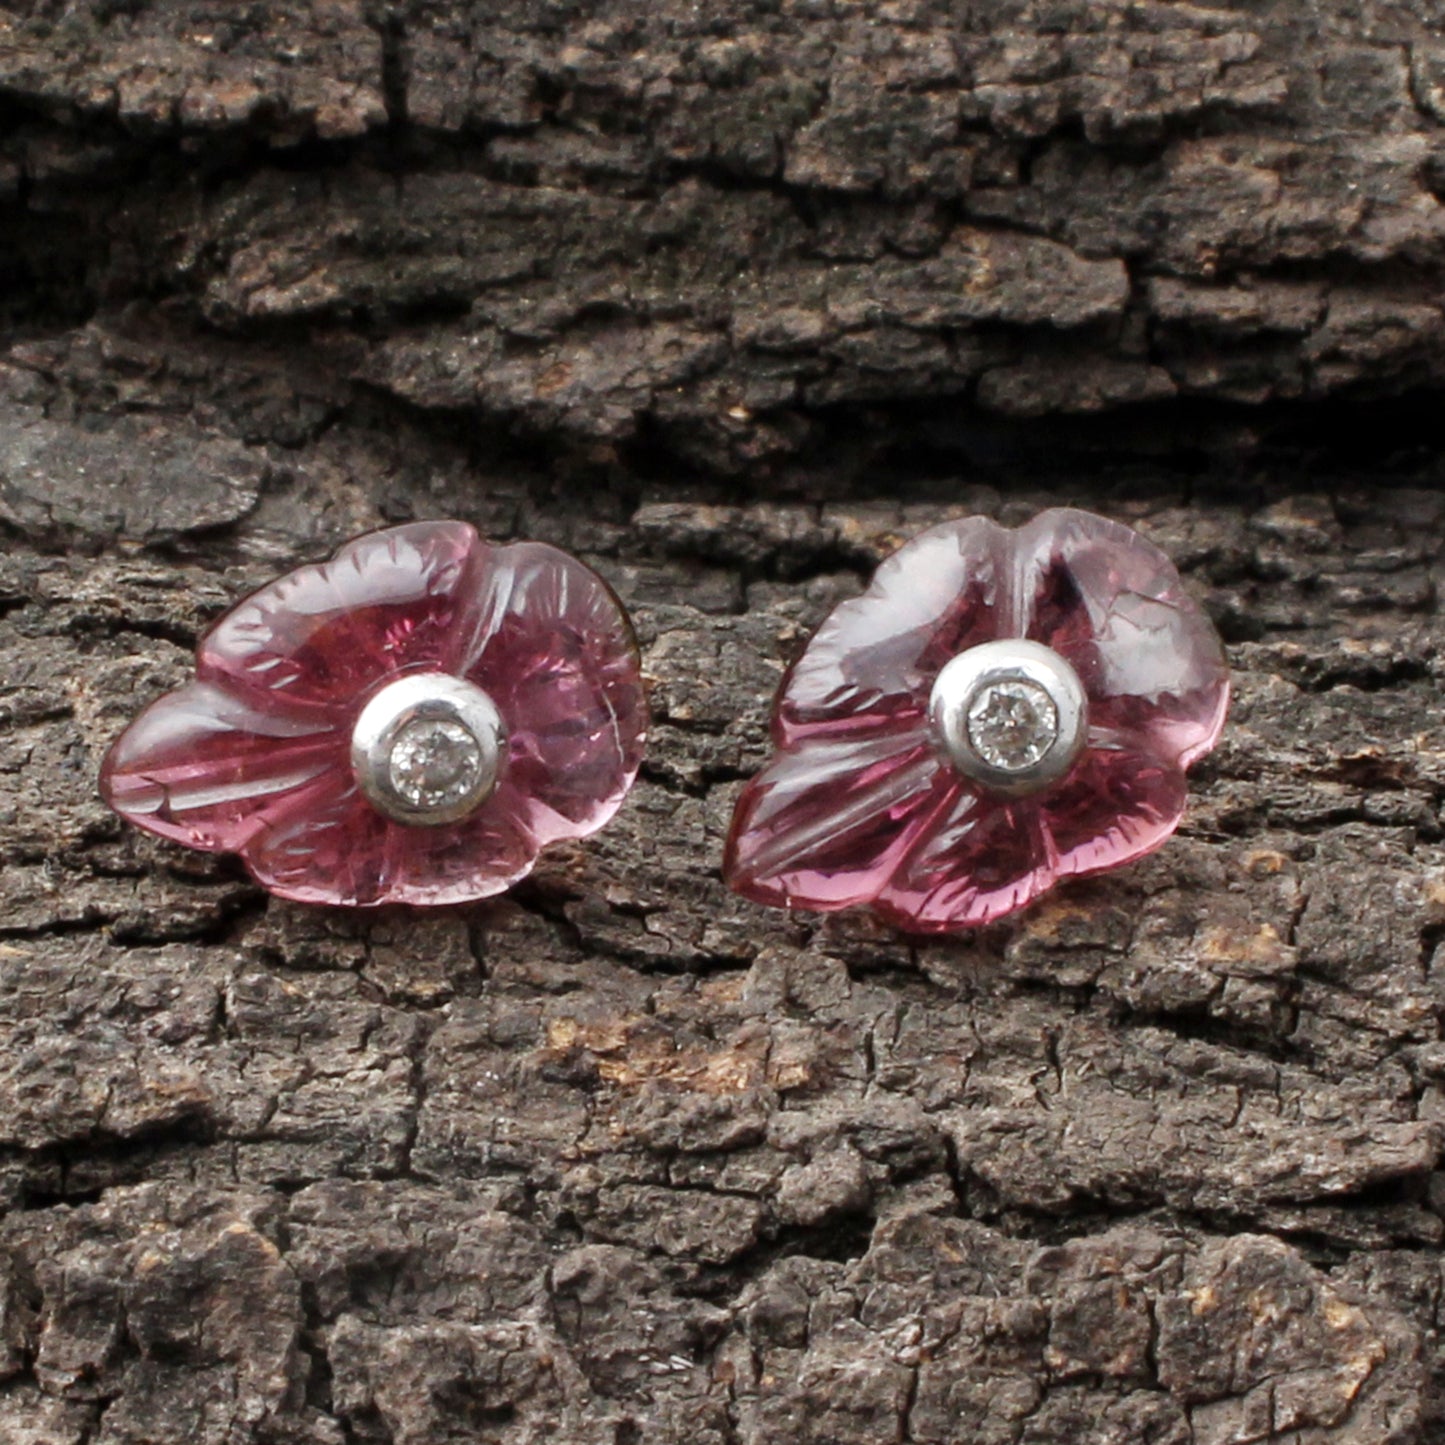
(867, 801)
(259, 754)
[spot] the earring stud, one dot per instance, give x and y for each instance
(411, 722)
(999, 710)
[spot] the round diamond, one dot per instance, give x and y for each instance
(1012, 724)
(435, 763)
(1010, 714)
(428, 749)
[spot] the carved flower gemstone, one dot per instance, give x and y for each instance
(999, 710)
(411, 722)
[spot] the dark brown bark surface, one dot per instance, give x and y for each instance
(731, 299)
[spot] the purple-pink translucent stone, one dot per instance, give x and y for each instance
(253, 757)
(860, 806)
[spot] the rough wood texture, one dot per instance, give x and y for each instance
(730, 298)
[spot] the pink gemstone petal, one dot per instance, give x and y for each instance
(819, 828)
(870, 666)
(209, 769)
(320, 636)
(551, 645)
(824, 826)
(983, 859)
(334, 847)
(1116, 806)
(1112, 604)
(254, 757)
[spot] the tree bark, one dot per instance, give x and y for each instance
(730, 299)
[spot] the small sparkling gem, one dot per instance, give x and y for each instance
(436, 763)
(1012, 724)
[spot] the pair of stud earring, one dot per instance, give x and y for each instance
(416, 719)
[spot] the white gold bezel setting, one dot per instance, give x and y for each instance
(395, 709)
(972, 674)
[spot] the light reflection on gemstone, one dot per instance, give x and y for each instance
(1012, 724)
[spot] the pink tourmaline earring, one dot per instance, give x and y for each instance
(411, 722)
(999, 710)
